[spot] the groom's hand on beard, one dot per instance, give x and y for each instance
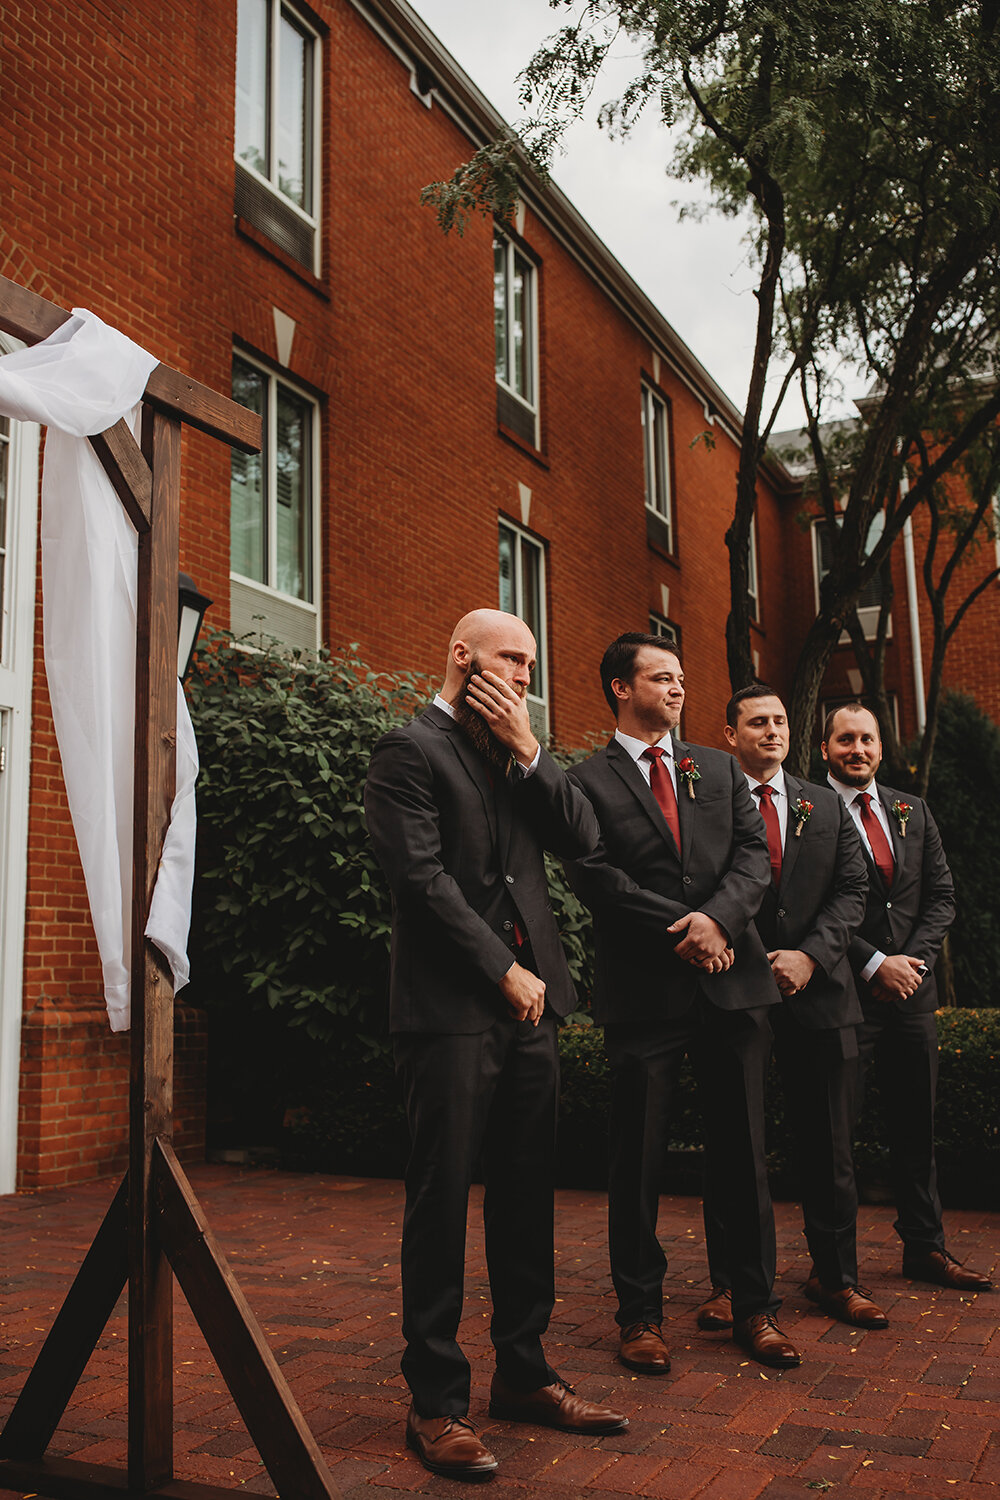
(504, 711)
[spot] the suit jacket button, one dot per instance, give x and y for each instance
(781, 911)
(687, 879)
(508, 927)
(888, 906)
(509, 879)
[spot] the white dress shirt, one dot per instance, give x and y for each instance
(779, 798)
(526, 771)
(850, 795)
(636, 749)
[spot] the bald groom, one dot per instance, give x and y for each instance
(461, 804)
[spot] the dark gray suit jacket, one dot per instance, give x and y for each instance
(819, 904)
(637, 883)
(464, 861)
(914, 914)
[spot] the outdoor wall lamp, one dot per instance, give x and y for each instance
(191, 607)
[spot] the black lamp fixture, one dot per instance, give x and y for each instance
(191, 607)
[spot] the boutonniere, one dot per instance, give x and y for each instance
(802, 811)
(901, 812)
(687, 770)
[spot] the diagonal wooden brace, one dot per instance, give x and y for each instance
(250, 1370)
(130, 475)
(72, 1338)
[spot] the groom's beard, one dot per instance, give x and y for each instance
(496, 755)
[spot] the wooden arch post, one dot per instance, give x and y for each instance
(154, 1229)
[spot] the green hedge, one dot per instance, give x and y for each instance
(351, 1121)
(965, 768)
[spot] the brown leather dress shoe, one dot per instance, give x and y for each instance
(642, 1348)
(449, 1446)
(555, 1405)
(944, 1270)
(717, 1312)
(851, 1304)
(761, 1337)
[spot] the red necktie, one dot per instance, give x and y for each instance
(663, 790)
(769, 813)
(879, 844)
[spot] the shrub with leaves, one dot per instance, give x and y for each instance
(291, 911)
(966, 766)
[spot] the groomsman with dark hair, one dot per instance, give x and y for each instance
(814, 902)
(681, 869)
(910, 907)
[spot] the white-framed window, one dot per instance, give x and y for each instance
(660, 625)
(656, 468)
(277, 125)
(753, 586)
(19, 444)
(522, 593)
(4, 548)
(870, 598)
(273, 536)
(515, 337)
(996, 532)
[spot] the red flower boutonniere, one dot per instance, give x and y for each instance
(801, 812)
(687, 770)
(901, 812)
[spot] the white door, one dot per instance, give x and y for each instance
(18, 537)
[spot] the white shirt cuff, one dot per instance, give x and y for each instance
(527, 771)
(875, 962)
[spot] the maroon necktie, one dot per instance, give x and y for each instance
(879, 844)
(769, 813)
(663, 790)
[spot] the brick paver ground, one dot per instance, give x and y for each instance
(909, 1411)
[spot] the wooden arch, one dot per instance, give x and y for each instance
(154, 1229)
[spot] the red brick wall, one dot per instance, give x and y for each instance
(123, 162)
(73, 1103)
(121, 199)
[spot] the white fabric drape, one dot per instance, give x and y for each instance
(81, 381)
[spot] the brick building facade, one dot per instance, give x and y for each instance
(503, 417)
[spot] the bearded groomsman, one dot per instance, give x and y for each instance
(681, 869)
(910, 907)
(461, 802)
(814, 902)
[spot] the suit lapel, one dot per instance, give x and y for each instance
(621, 762)
(685, 806)
(790, 852)
(898, 842)
(471, 761)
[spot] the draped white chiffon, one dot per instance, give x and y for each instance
(78, 382)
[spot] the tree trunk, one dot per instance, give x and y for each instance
(809, 672)
(933, 705)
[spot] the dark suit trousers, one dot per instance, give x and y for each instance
(729, 1052)
(818, 1073)
(490, 1097)
(903, 1048)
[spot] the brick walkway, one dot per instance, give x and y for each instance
(908, 1411)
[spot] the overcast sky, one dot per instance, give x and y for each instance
(697, 273)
